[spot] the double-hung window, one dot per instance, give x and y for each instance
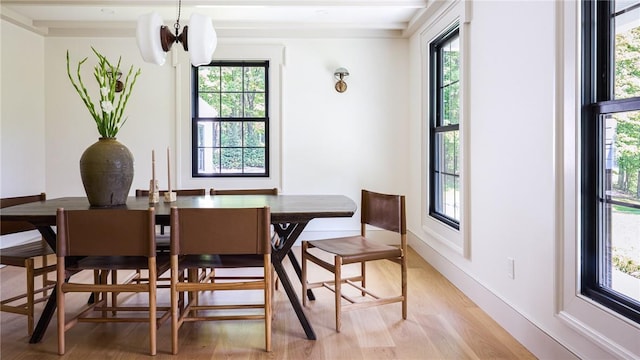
(230, 125)
(610, 155)
(444, 134)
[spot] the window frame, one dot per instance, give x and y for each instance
(435, 121)
(597, 101)
(195, 119)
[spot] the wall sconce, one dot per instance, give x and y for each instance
(339, 75)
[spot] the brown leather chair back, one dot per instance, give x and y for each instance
(101, 232)
(10, 227)
(220, 231)
(384, 211)
(273, 191)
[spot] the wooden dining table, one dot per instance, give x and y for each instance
(290, 214)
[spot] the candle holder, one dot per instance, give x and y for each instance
(154, 192)
(170, 196)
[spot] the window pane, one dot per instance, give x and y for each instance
(208, 160)
(620, 248)
(231, 160)
(231, 78)
(448, 188)
(208, 104)
(254, 105)
(254, 134)
(208, 134)
(447, 174)
(254, 160)
(231, 134)
(231, 105)
(209, 78)
(627, 54)
(254, 79)
(451, 104)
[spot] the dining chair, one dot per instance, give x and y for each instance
(386, 212)
(107, 240)
(274, 237)
(162, 237)
(32, 255)
(200, 238)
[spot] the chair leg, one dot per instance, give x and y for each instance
(151, 287)
(363, 273)
(30, 294)
(338, 289)
(404, 286)
(45, 276)
(114, 294)
(303, 272)
(60, 304)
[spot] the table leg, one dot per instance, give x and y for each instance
(296, 267)
(45, 318)
(289, 233)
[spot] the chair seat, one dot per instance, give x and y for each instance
(119, 263)
(220, 261)
(16, 255)
(354, 249)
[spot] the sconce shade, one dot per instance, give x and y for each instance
(148, 38)
(340, 73)
(155, 39)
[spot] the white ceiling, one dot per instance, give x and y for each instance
(386, 18)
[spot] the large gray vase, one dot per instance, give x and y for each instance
(106, 168)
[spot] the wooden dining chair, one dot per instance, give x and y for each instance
(107, 240)
(199, 238)
(383, 211)
(33, 256)
(274, 237)
(162, 236)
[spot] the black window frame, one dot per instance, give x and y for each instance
(195, 119)
(598, 100)
(435, 121)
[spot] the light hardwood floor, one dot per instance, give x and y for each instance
(442, 324)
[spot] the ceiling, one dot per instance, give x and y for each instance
(330, 18)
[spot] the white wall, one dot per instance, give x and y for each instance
(22, 108)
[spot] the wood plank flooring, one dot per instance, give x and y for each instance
(442, 324)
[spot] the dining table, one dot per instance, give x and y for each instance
(290, 214)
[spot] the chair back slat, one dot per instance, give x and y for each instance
(179, 192)
(11, 227)
(384, 211)
(273, 191)
(220, 231)
(101, 232)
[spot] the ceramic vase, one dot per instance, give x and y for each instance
(106, 168)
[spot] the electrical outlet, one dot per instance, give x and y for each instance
(511, 264)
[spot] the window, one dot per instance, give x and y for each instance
(444, 134)
(610, 156)
(230, 129)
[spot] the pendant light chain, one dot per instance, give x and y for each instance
(177, 24)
